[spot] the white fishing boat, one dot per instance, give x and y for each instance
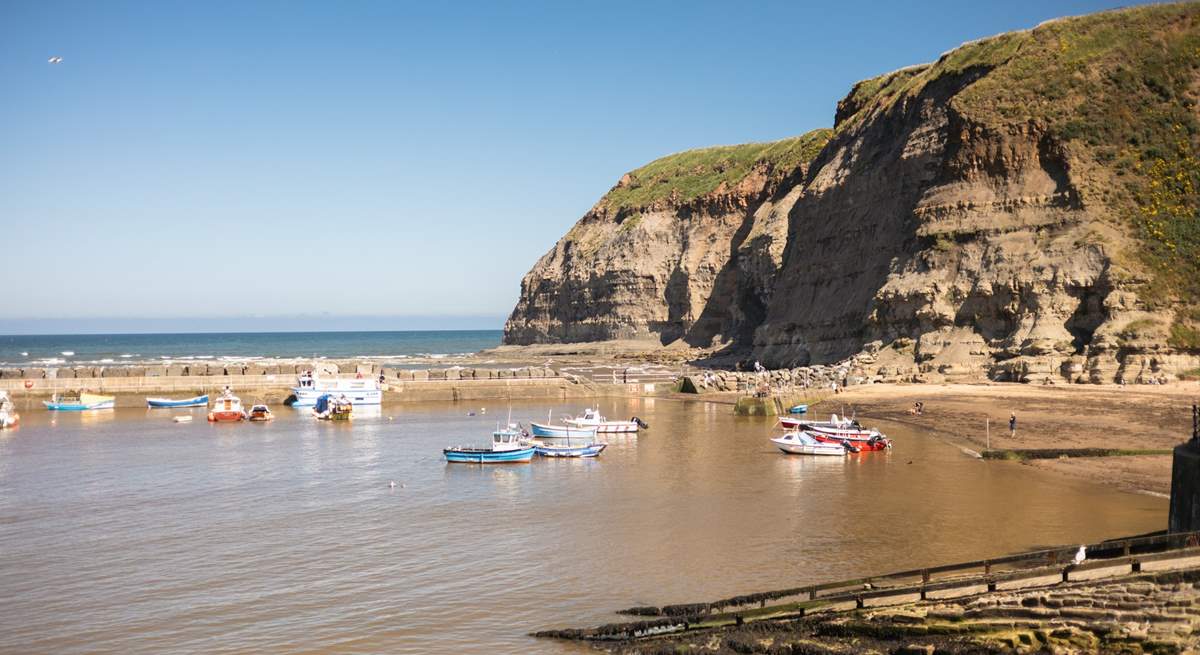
(359, 391)
(8, 412)
(592, 419)
(227, 408)
(802, 443)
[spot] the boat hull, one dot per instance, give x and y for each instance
(816, 447)
(562, 431)
(77, 407)
(607, 427)
(198, 401)
(226, 416)
(307, 396)
(480, 456)
(872, 442)
(590, 450)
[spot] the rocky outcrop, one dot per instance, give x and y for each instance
(684, 248)
(1022, 209)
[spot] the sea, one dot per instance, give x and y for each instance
(51, 350)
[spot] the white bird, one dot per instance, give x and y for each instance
(392, 484)
(55, 60)
(1081, 555)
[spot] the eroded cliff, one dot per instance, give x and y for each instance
(1023, 208)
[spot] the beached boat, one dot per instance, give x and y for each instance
(508, 446)
(360, 391)
(198, 401)
(592, 419)
(803, 443)
(259, 413)
(840, 429)
(9, 417)
(63, 402)
(568, 450)
(867, 441)
(333, 408)
(227, 407)
(563, 432)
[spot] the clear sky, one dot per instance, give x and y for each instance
(385, 159)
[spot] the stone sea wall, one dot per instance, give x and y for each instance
(288, 371)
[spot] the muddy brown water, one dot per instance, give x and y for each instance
(125, 532)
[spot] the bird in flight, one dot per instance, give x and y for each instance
(55, 60)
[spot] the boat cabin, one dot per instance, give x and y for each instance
(507, 439)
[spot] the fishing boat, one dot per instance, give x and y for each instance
(227, 408)
(508, 446)
(198, 401)
(803, 443)
(360, 391)
(260, 413)
(66, 402)
(333, 408)
(585, 450)
(8, 412)
(592, 419)
(563, 432)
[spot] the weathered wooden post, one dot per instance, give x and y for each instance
(1185, 481)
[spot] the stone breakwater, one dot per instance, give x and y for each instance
(288, 371)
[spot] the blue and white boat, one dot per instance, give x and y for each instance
(586, 450)
(798, 409)
(359, 391)
(198, 401)
(563, 432)
(80, 403)
(508, 446)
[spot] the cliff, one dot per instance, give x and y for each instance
(1023, 208)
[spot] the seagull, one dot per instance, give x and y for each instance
(392, 484)
(54, 60)
(1081, 554)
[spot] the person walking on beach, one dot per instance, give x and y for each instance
(1012, 425)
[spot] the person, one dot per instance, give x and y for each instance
(920, 407)
(1012, 425)
(358, 375)
(382, 377)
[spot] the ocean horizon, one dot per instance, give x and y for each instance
(57, 350)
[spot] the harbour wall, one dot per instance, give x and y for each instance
(273, 383)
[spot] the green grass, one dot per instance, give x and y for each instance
(692, 174)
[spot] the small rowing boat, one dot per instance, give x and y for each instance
(61, 402)
(563, 432)
(508, 446)
(197, 401)
(585, 450)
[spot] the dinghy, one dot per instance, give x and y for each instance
(198, 401)
(586, 450)
(563, 432)
(508, 446)
(63, 402)
(260, 413)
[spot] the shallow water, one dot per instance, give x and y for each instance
(125, 532)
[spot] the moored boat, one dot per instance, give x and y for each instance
(65, 402)
(508, 446)
(592, 419)
(563, 432)
(333, 408)
(8, 412)
(197, 401)
(803, 443)
(798, 409)
(360, 391)
(585, 450)
(840, 429)
(227, 408)
(260, 413)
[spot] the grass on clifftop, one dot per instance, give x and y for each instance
(1117, 87)
(695, 173)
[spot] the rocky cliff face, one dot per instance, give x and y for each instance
(1023, 208)
(684, 248)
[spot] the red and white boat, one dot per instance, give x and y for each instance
(227, 407)
(839, 430)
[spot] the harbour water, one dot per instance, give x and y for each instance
(116, 349)
(125, 532)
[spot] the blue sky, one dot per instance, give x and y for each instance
(385, 159)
